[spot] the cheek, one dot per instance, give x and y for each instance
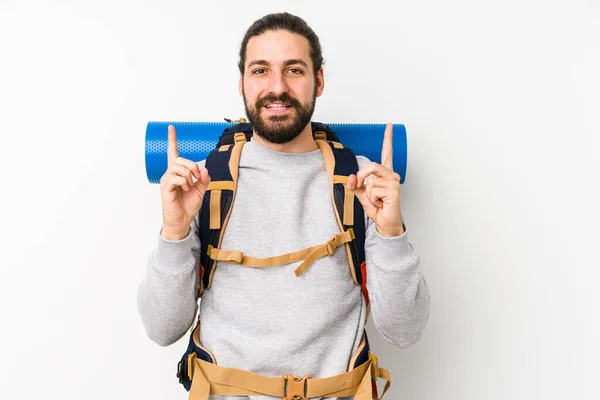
(252, 92)
(305, 93)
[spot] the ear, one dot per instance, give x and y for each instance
(241, 86)
(320, 82)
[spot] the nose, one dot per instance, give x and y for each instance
(277, 84)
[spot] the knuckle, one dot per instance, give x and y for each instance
(164, 180)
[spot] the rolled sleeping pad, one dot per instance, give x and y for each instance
(195, 140)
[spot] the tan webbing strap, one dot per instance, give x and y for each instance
(343, 385)
(384, 374)
(309, 255)
(232, 382)
(328, 156)
(221, 185)
(337, 145)
(348, 200)
(225, 147)
(234, 162)
(326, 249)
(215, 201)
(200, 388)
(365, 389)
(213, 379)
(340, 179)
(377, 372)
(215, 209)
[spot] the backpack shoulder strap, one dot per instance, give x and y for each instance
(223, 163)
(341, 163)
(227, 138)
(322, 130)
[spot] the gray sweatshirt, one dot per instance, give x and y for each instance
(267, 320)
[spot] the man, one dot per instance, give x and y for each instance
(267, 320)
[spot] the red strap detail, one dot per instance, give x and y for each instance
(363, 272)
(374, 385)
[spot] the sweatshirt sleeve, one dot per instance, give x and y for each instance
(168, 293)
(398, 292)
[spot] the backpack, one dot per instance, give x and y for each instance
(223, 163)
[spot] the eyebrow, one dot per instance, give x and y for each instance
(286, 63)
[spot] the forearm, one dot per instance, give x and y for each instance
(167, 295)
(398, 291)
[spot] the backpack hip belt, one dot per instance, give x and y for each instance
(209, 378)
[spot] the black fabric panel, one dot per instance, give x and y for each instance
(346, 165)
(363, 357)
(182, 366)
(217, 164)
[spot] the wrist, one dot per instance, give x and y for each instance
(174, 234)
(391, 233)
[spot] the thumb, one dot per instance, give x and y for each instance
(351, 185)
(361, 195)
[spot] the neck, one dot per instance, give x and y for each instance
(303, 143)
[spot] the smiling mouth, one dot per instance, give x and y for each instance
(278, 109)
(277, 106)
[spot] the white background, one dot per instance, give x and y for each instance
(500, 101)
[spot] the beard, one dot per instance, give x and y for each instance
(280, 128)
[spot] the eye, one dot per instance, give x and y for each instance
(259, 71)
(295, 71)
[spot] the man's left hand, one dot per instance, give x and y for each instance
(380, 194)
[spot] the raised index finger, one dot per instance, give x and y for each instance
(386, 148)
(172, 152)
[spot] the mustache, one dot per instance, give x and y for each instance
(284, 98)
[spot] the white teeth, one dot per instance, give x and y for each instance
(276, 106)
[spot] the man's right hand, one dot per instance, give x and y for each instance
(181, 195)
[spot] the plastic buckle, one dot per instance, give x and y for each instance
(295, 387)
(239, 137)
(180, 375)
(351, 231)
(329, 248)
(320, 135)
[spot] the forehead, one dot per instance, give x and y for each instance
(278, 46)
